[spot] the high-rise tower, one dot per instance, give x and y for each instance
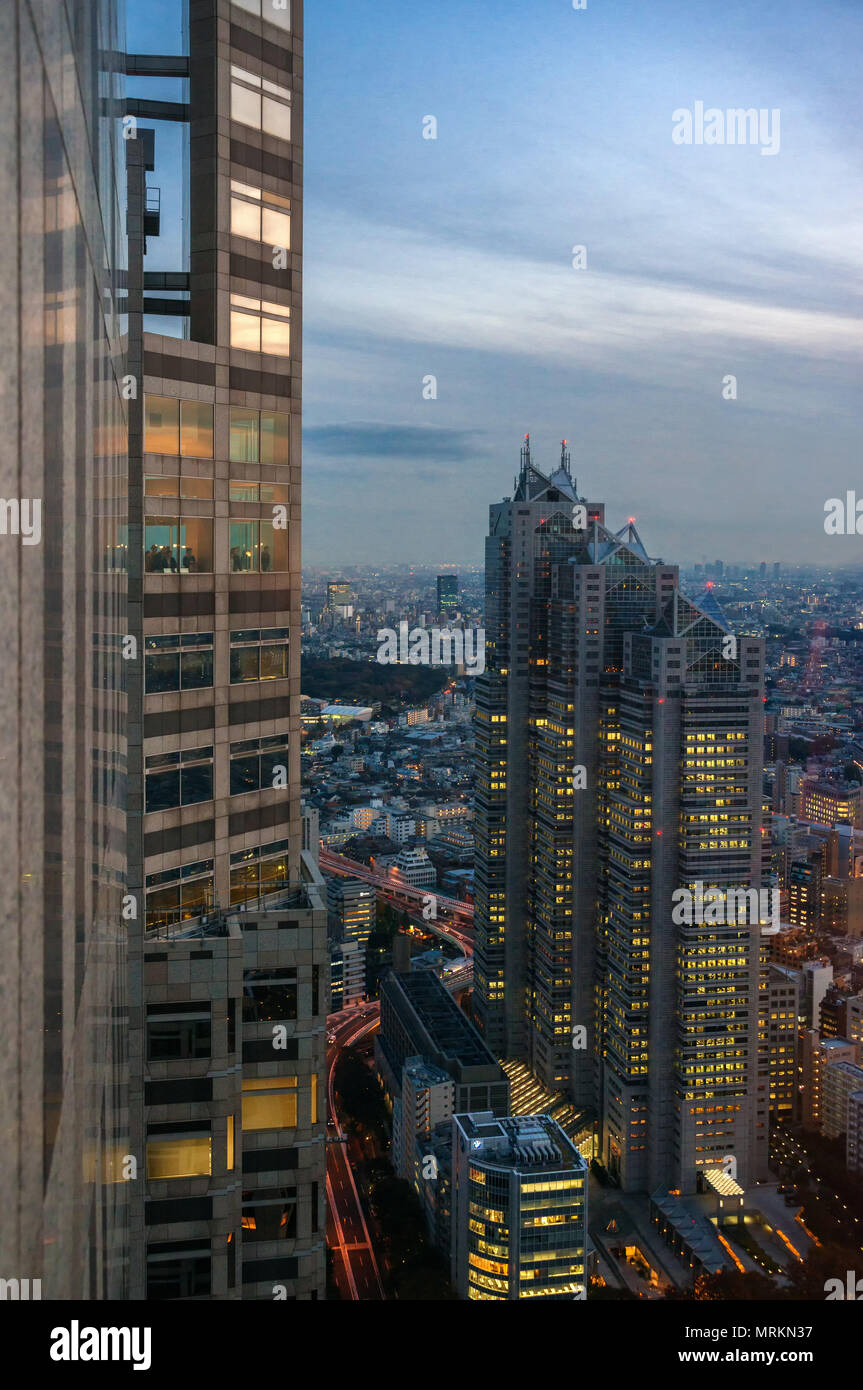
(63, 1116)
(230, 961)
(619, 730)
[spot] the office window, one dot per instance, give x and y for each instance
(196, 429)
(270, 1214)
(260, 215)
(178, 1155)
(178, 1269)
(180, 662)
(261, 104)
(269, 995)
(178, 427)
(258, 547)
(257, 872)
(259, 654)
(178, 779)
(161, 425)
(178, 545)
(276, 12)
(256, 762)
(259, 436)
(165, 485)
(178, 1032)
(260, 326)
(241, 491)
(270, 1103)
(175, 895)
(245, 435)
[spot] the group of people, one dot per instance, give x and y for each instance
(164, 557)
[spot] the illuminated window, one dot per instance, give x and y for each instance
(270, 1103)
(178, 1155)
(178, 427)
(260, 326)
(260, 216)
(261, 104)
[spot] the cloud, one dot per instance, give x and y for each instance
(370, 441)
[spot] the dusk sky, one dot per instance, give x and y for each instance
(453, 257)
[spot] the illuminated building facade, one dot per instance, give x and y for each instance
(519, 1209)
(619, 731)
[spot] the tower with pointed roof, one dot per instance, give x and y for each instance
(605, 688)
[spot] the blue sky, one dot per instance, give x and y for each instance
(453, 258)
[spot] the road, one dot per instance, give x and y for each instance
(354, 1264)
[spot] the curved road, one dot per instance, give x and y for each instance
(354, 1264)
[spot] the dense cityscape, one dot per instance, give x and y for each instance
(390, 794)
(434, 854)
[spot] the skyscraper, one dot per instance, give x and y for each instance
(229, 986)
(63, 1101)
(619, 728)
(447, 592)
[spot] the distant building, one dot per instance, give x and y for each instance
(854, 1140)
(840, 1081)
(414, 867)
(426, 1100)
(420, 1019)
(347, 974)
(817, 1055)
(783, 997)
(519, 1209)
(351, 909)
(829, 802)
(345, 714)
(311, 830)
(447, 592)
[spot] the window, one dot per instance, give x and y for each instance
(175, 895)
(260, 326)
(178, 545)
(261, 104)
(182, 662)
(257, 872)
(258, 547)
(161, 425)
(259, 436)
(184, 1154)
(258, 763)
(270, 1214)
(179, 779)
(186, 487)
(270, 1103)
(259, 654)
(178, 1270)
(260, 215)
(259, 492)
(269, 995)
(177, 1032)
(178, 427)
(276, 12)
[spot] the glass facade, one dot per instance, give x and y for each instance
(63, 1010)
